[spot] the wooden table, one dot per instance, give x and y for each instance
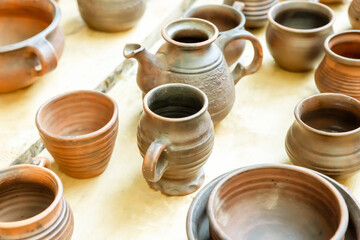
(118, 204)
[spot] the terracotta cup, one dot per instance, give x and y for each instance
(175, 137)
(226, 19)
(32, 205)
(326, 135)
(339, 71)
(296, 33)
(31, 41)
(354, 14)
(111, 15)
(79, 130)
(279, 202)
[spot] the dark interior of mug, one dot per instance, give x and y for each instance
(23, 19)
(346, 44)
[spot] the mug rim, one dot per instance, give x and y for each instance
(26, 42)
(92, 134)
(344, 214)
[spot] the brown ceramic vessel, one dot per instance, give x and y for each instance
(326, 135)
(191, 56)
(111, 15)
(339, 71)
(296, 33)
(31, 41)
(79, 130)
(276, 202)
(175, 137)
(354, 14)
(32, 205)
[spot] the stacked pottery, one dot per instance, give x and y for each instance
(354, 14)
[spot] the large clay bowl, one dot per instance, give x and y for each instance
(276, 202)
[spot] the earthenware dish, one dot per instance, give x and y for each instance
(354, 14)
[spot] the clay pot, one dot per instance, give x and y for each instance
(79, 130)
(175, 137)
(191, 56)
(326, 135)
(276, 202)
(111, 15)
(354, 14)
(296, 33)
(226, 19)
(339, 71)
(31, 41)
(32, 205)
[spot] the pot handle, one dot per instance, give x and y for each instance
(238, 5)
(153, 166)
(240, 70)
(46, 53)
(41, 162)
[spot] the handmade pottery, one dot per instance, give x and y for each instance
(339, 71)
(191, 56)
(276, 202)
(32, 205)
(111, 15)
(31, 42)
(226, 19)
(197, 222)
(326, 135)
(354, 14)
(175, 137)
(296, 33)
(79, 130)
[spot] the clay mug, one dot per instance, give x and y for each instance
(354, 14)
(79, 130)
(32, 205)
(276, 201)
(31, 42)
(325, 136)
(111, 15)
(225, 18)
(339, 71)
(175, 137)
(296, 33)
(191, 56)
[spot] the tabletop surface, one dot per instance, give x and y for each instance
(119, 204)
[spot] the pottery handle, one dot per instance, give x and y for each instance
(153, 166)
(41, 162)
(240, 70)
(45, 51)
(238, 5)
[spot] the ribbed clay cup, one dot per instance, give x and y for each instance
(279, 202)
(339, 71)
(296, 33)
(79, 130)
(326, 135)
(32, 205)
(354, 14)
(175, 137)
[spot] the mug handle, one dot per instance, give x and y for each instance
(238, 5)
(46, 53)
(153, 167)
(240, 70)
(41, 162)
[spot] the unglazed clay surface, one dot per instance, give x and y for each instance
(354, 14)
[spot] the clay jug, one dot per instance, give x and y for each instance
(191, 56)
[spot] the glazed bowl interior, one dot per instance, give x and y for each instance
(276, 202)
(77, 113)
(329, 113)
(23, 19)
(346, 44)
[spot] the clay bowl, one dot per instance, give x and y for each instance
(354, 14)
(276, 202)
(79, 130)
(31, 42)
(197, 221)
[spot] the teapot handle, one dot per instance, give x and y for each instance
(240, 70)
(153, 167)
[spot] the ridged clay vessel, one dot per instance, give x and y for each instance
(354, 14)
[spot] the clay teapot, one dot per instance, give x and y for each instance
(191, 56)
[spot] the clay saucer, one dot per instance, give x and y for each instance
(197, 222)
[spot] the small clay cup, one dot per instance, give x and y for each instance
(276, 202)
(32, 205)
(354, 14)
(31, 41)
(326, 135)
(339, 71)
(226, 19)
(111, 15)
(175, 137)
(296, 33)
(79, 130)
